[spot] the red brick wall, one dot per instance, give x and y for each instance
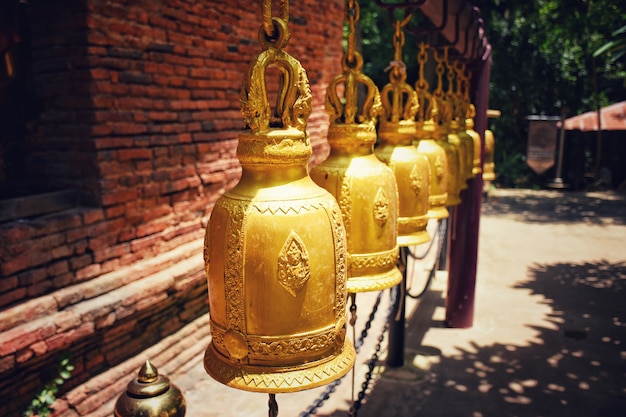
(139, 111)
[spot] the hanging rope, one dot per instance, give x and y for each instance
(268, 24)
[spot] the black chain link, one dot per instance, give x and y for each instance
(371, 363)
(430, 245)
(324, 396)
(441, 232)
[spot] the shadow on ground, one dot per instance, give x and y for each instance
(558, 206)
(575, 367)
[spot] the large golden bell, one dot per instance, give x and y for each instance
(412, 173)
(275, 250)
(364, 187)
(150, 395)
(489, 173)
(396, 133)
(469, 129)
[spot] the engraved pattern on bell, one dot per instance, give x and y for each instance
(416, 180)
(439, 167)
(293, 264)
(381, 207)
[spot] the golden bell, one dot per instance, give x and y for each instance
(396, 134)
(489, 173)
(469, 129)
(438, 168)
(426, 129)
(454, 157)
(397, 131)
(275, 248)
(150, 395)
(454, 138)
(364, 187)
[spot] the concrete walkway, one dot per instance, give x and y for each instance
(549, 334)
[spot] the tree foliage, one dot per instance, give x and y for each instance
(543, 62)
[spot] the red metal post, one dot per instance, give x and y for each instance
(464, 223)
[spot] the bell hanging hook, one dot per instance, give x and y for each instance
(268, 24)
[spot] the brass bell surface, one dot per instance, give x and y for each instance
(454, 139)
(412, 173)
(275, 250)
(364, 187)
(455, 179)
(437, 159)
(150, 395)
(489, 173)
(468, 145)
(366, 191)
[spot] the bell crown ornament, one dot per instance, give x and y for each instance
(397, 132)
(364, 187)
(275, 247)
(427, 121)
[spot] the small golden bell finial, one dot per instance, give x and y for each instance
(150, 395)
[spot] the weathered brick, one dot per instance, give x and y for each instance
(87, 272)
(20, 337)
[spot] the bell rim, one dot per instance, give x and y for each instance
(438, 213)
(276, 380)
(413, 239)
(381, 282)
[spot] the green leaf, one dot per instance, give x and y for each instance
(65, 374)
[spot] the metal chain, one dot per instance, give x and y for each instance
(273, 406)
(371, 363)
(430, 246)
(353, 14)
(431, 274)
(324, 396)
(268, 24)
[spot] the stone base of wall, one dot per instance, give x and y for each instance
(172, 356)
(134, 312)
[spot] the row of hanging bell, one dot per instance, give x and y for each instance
(275, 247)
